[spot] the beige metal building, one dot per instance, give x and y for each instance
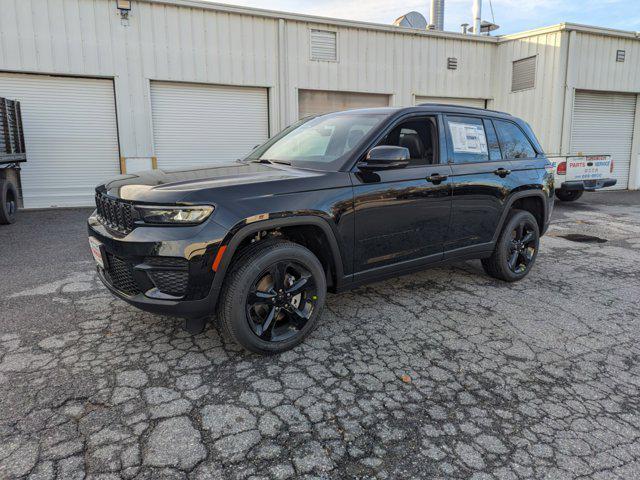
(180, 83)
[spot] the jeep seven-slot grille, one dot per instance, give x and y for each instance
(114, 214)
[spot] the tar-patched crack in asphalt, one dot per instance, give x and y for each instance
(443, 374)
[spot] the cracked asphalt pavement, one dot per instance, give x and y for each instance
(442, 374)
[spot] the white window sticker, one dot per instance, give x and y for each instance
(468, 138)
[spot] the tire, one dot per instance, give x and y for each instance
(569, 195)
(8, 202)
(255, 275)
(500, 264)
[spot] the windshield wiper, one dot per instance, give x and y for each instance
(271, 162)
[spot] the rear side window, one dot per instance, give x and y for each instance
(467, 140)
(513, 141)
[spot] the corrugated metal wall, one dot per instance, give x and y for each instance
(594, 61)
(567, 60)
(167, 42)
(161, 42)
(541, 106)
(397, 64)
(225, 45)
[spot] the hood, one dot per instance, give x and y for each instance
(175, 186)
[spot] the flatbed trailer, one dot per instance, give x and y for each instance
(12, 155)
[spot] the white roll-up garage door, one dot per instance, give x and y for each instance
(603, 124)
(465, 102)
(71, 136)
(316, 102)
(199, 125)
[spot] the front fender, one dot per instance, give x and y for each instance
(253, 225)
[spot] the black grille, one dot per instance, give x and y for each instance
(115, 214)
(171, 282)
(170, 275)
(172, 262)
(120, 275)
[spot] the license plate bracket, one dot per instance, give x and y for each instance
(97, 250)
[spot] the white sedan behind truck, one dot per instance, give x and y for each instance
(575, 174)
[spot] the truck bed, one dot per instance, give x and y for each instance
(12, 147)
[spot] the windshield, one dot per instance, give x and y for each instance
(320, 142)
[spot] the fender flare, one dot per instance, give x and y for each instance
(517, 196)
(238, 234)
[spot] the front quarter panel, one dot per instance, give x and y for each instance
(328, 197)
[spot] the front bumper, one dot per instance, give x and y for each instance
(176, 308)
(164, 270)
(588, 185)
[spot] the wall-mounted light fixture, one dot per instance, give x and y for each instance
(124, 6)
(452, 63)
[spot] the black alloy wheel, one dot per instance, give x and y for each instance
(273, 296)
(281, 301)
(516, 249)
(522, 249)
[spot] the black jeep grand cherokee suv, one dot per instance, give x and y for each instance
(330, 203)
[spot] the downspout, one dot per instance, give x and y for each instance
(568, 96)
(634, 168)
(282, 82)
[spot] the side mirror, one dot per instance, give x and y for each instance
(386, 157)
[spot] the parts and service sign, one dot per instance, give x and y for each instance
(586, 167)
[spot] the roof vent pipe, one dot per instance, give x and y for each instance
(477, 15)
(437, 14)
(465, 27)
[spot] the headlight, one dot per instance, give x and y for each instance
(176, 215)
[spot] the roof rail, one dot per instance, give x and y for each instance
(461, 106)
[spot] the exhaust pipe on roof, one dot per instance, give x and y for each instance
(437, 14)
(477, 16)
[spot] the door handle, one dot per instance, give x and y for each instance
(502, 172)
(436, 178)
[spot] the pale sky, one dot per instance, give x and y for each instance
(511, 15)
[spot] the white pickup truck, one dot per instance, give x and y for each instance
(575, 174)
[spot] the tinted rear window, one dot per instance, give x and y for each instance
(513, 141)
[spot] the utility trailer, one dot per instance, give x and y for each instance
(12, 154)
